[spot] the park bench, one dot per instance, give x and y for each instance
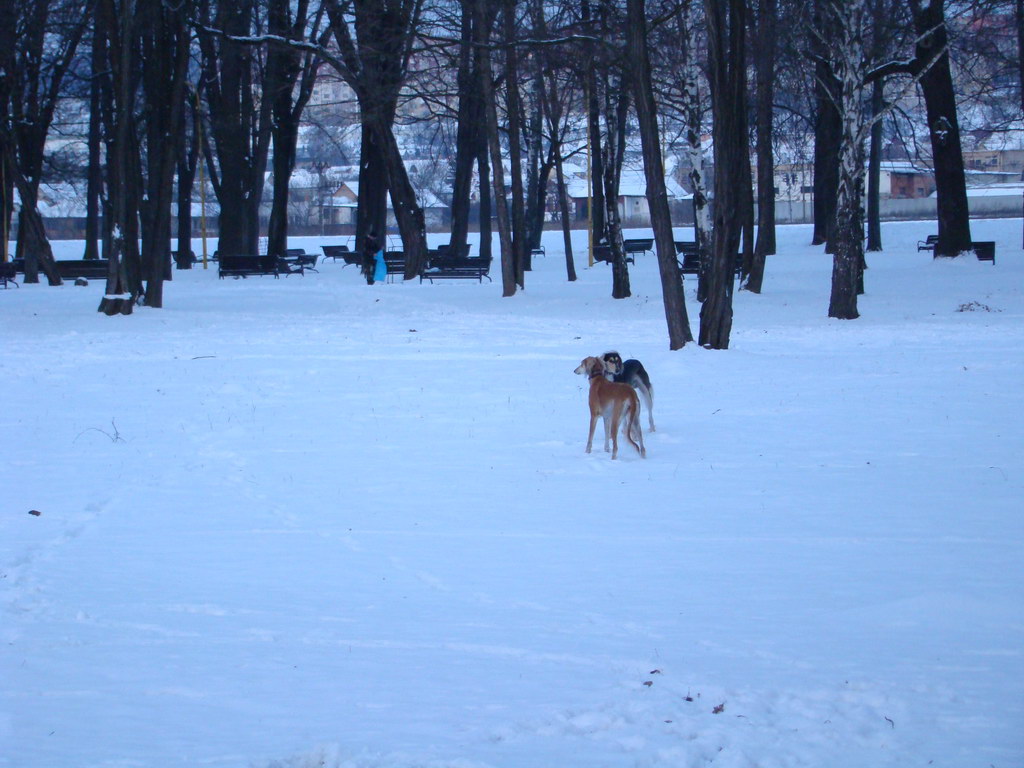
(246, 265)
(985, 250)
(394, 261)
(688, 258)
(538, 251)
(91, 269)
(444, 267)
(604, 253)
(638, 245)
(190, 259)
(8, 271)
(342, 252)
(298, 257)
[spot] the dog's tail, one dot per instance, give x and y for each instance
(634, 433)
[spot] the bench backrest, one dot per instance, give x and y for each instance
(263, 263)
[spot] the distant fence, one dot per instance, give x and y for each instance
(786, 212)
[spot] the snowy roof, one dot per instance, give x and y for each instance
(1014, 189)
(632, 184)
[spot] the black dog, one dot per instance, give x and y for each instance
(631, 372)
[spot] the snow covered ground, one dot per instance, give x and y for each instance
(307, 522)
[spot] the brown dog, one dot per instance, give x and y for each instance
(612, 401)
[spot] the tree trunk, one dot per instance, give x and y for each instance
(597, 206)
(764, 51)
(676, 318)
(123, 285)
(188, 156)
(616, 106)
(513, 104)
(826, 131)
(849, 67)
(563, 209)
(94, 142)
(467, 131)
(291, 75)
(166, 47)
(944, 127)
(875, 168)
(692, 116)
(240, 124)
(482, 30)
(726, 23)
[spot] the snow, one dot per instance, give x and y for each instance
(307, 522)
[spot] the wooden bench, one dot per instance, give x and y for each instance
(538, 251)
(457, 268)
(91, 269)
(394, 261)
(985, 250)
(688, 258)
(604, 253)
(342, 252)
(928, 244)
(638, 245)
(189, 259)
(244, 265)
(8, 271)
(298, 257)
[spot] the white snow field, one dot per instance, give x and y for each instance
(308, 522)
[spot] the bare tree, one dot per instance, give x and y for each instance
(237, 143)
(764, 45)
(674, 299)
(375, 39)
(932, 66)
(38, 43)
(291, 72)
(726, 21)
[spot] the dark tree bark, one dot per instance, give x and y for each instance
(188, 164)
(614, 90)
(166, 44)
(551, 103)
(764, 53)
(40, 39)
(98, 83)
(124, 284)
(501, 202)
(375, 64)
(467, 138)
(678, 322)
(291, 72)
(944, 127)
(484, 174)
(874, 221)
(539, 163)
(1019, 13)
(237, 144)
(513, 105)
(726, 21)
(597, 205)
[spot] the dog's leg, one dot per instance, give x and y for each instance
(606, 418)
(645, 395)
(590, 435)
(634, 434)
(615, 419)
